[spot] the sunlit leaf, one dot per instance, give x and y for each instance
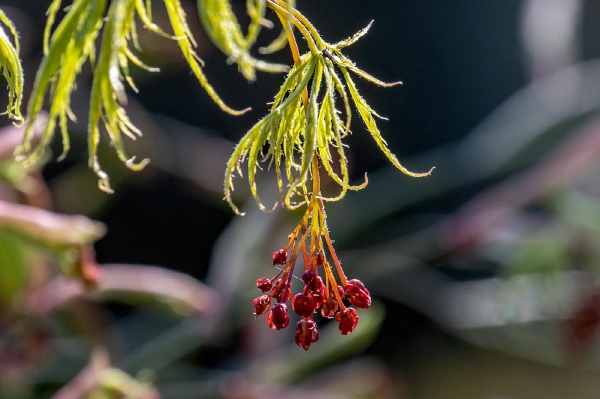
(71, 45)
(11, 69)
(305, 127)
(222, 27)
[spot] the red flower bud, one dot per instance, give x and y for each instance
(279, 257)
(263, 284)
(278, 317)
(320, 258)
(316, 289)
(348, 319)
(261, 304)
(318, 299)
(282, 291)
(304, 305)
(357, 294)
(306, 334)
(308, 276)
(330, 306)
(316, 286)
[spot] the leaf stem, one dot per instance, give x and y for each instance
(297, 15)
(285, 16)
(316, 192)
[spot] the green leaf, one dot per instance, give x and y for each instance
(72, 43)
(310, 132)
(108, 91)
(281, 40)
(69, 47)
(221, 25)
(10, 65)
(367, 113)
(269, 130)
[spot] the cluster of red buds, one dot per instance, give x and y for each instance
(317, 296)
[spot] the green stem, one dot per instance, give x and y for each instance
(286, 16)
(307, 24)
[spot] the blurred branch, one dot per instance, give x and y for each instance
(160, 352)
(50, 228)
(127, 282)
(571, 158)
(178, 289)
(135, 283)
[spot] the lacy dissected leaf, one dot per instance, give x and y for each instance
(71, 44)
(311, 130)
(222, 27)
(279, 128)
(281, 40)
(186, 42)
(367, 114)
(312, 126)
(108, 91)
(11, 69)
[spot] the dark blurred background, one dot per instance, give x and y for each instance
(474, 265)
